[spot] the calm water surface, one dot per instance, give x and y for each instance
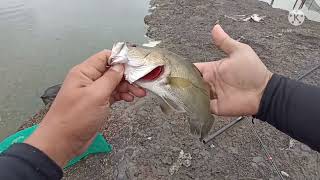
(42, 39)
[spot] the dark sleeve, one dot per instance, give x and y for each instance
(23, 161)
(293, 108)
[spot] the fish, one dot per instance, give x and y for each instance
(175, 80)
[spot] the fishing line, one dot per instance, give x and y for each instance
(308, 72)
(266, 151)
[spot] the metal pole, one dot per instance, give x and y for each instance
(308, 72)
(272, 1)
(209, 138)
(311, 4)
(295, 4)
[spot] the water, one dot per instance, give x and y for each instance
(42, 39)
(288, 5)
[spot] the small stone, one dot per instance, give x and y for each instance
(183, 159)
(292, 143)
(254, 165)
(166, 160)
(283, 173)
(257, 159)
(186, 161)
(233, 150)
(305, 147)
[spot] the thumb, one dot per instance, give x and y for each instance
(107, 83)
(223, 40)
(201, 66)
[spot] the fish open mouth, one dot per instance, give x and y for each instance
(154, 74)
(135, 68)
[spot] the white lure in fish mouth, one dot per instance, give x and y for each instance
(134, 70)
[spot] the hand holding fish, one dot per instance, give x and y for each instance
(238, 81)
(81, 108)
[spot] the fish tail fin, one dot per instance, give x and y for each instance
(201, 129)
(195, 128)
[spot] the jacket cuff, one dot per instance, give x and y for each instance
(266, 99)
(35, 158)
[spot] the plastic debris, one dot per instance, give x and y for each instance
(283, 173)
(151, 44)
(99, 144)
(245, 18)
(212, 146)
(292, 143)
(149, 138)
(241, 38)
(255, 18)
(153, 7)
(183, 159)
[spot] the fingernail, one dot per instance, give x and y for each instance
(117, 67)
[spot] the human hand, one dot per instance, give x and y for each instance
(81, 108)
(238, 81)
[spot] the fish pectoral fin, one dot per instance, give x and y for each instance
(173, 105)
(165, 108)
(178, 82)
(201, 128)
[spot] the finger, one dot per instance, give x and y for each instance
(223, 40)
(127, 97)
(89, 72)
(125, 87)
(214, 107)
(201, 66)
(106, 84)
(137, 91)
(115, 97)
(99, 60)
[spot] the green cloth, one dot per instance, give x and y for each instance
(99, 144)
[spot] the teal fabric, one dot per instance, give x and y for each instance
(99, 144)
